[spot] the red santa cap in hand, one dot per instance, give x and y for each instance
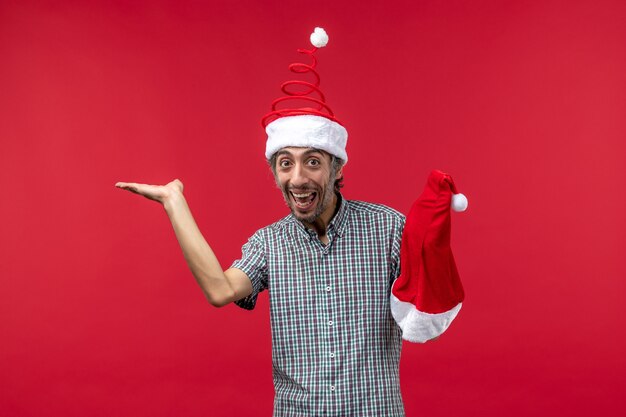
(428, 294)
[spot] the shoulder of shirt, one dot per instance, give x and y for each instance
(287, 221)
(365, 208)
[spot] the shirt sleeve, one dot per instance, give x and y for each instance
(396, 236)
(254, 263)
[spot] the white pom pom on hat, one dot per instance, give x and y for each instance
(319, 38)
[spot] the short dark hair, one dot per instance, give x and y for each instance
(335, 166)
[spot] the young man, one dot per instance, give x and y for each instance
(329, 267)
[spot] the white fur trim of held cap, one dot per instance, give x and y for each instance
(417, 326)
(307, 131)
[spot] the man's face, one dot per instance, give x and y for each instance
(306, 178)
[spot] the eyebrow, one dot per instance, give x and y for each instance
(311, 151)
(305, 154)
(279, 153)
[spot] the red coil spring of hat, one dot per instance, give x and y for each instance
(319, 39)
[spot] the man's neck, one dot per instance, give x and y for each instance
(321, 223)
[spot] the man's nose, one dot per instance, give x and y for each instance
(299, 176)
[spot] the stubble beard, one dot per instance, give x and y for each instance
(324, 200)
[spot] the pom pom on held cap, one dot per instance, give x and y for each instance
(459, 202)
(319, 38)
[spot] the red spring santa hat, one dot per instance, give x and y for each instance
(428, 294)
(302, 118)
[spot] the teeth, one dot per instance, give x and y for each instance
(301, 195)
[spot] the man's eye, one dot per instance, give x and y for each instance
(284, 163)
(314, 162)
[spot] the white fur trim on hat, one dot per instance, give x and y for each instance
(417, 326)
(307, 131)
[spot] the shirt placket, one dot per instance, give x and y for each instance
(328, 355)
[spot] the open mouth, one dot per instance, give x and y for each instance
(304, 201)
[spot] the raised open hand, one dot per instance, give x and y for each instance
(157, 193)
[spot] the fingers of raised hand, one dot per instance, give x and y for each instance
(151, 192)
(130, 186)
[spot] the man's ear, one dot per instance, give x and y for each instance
(340, 173)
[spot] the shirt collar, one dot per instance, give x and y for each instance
(340, 219)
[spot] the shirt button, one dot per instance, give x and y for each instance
(332, 387)
(330, 322)
(332, 355)
(328, 288)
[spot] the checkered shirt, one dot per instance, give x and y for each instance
(335, 346)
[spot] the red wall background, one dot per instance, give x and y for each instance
(523, 102)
